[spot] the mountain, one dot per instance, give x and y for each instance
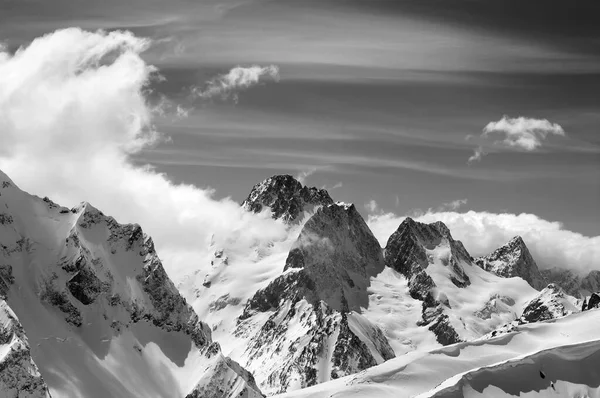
(551, 303)
(19, 375)
(546, 359)
(572, 282)
(513, 260)
(97, 314)
(460, 301)
(286, 197)
(308, 320)
(411, 250)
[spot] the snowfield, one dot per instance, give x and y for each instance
(566, 351)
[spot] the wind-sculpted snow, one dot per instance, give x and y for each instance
(101, 315)
(513, 259)
(565, 371)
(565, 351)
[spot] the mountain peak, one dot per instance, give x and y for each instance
(552, 302)
(286, 197)
(513, 259)
(516, 241)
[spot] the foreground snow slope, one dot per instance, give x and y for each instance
(551, 347)
(100, 314)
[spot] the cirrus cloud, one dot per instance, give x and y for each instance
(522, 133)
(228, 85)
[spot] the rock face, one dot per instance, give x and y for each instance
(591, 283)
(511, 260)
(314, 330)
(94, 283)
(19, 375)
(286, 197)
(411, 250)
(593, 302)
(552, 302)
(572, 283)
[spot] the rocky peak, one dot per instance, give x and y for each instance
(512, 260)
(552, 302)
(332, 260)
(409, 249)
(316, 303)
(286, 197)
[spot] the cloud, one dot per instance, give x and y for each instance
(477, 155)
(482, 232)
(521, 133)
(301, 177)
(453, 205)
(72, 113)
(371, 206)
(239, 78)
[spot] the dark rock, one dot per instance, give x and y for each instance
(85, 286)
(286, 197)
(444, 332)
(513, 260)
(594, 301)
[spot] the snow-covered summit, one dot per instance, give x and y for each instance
(308, 320)
(511, 260)
(423, 253)
(98, 309)
(287, 198)
(551, 303)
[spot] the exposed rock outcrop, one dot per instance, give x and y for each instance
(552, 302)
(315, 323)
(287, 198)
(411, 250)
(511, 260)
(19, 375)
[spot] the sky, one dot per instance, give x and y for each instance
(407, 107)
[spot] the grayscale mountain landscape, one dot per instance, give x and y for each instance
(298, 198)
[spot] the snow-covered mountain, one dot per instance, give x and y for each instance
(324, 304)
(544, 359)
(308, 319)
(286, 197)
(511, 260)
(551, 303)
(93, 313)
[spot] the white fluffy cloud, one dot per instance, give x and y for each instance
(72, 111)
(522, 133)
(239, 78)
(483, 232)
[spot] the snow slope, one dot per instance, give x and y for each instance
(566, 350)
(101, 316)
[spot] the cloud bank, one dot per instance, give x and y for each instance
(239, 78)
(72, 112)
(522, 133)
(483, 232)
